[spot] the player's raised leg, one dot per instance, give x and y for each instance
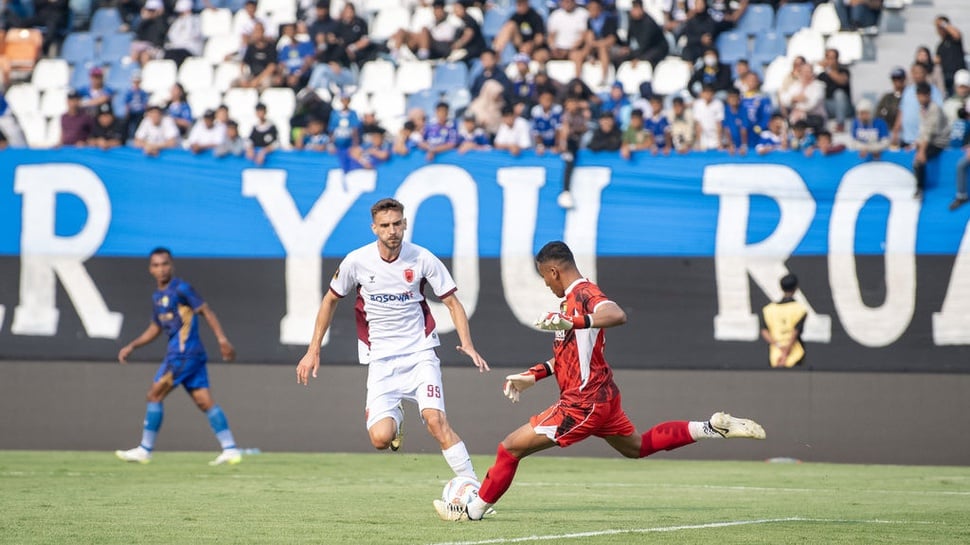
(678, 433)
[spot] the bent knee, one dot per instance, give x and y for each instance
(380, 442)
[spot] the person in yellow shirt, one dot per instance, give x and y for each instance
(782, 324)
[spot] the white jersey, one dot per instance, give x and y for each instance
(393, 318)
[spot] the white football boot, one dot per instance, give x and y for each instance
(451, 512)
(399, 437)
(137, 454)
(729, 426)
(230, 456)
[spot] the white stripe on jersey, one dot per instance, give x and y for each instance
(393, 318)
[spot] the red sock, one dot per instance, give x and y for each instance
(499, 476)
(665, 436)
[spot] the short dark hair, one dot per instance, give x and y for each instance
(677, 101)
(260, 106)
(636, 112)
(160, 250)
(823, 134)
(555, 251)
(386, 204)
(923, 89)
(441, 105)
(789, 282)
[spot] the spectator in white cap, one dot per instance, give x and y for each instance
(961, 93)
(870, 135)
(184, 38)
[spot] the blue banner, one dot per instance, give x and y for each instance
(647, 206)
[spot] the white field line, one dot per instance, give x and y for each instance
(738, 488)
(661, 529)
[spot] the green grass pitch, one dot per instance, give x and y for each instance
(360, 499)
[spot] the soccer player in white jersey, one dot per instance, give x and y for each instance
(396, 334)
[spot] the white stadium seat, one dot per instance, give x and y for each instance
(53, 102)
(848, 44)
(241, 103)
(34, 126)
(671, 76)
(413, 76)
(375, 76)
(201, 100)
(423, 17)
(53, 136)
(215, 22)
(51, 74)
(592, 76)
(632, 77)
(225, 74)
(775, 74)
(280, 103)
(387, 22)
(807, 43)
(23, 98)
(561, 71)
(195, 73)
(217, 48)
(388, 105)
(825, 20)
(158, 75)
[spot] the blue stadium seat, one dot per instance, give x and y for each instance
(79, 76)
(767, 46)
(118, 103)
(236, 5)
(114, 47)
(494, 19)
(105, 21)
(732, 46)
(448, 76)
(757, 18)
(78, 48)
(793, 17)
(473, 71)
(425, 100)
(119, 75)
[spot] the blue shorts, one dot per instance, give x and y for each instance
(189, 370)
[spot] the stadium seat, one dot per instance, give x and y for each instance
(276, 11)
(119, 74)
(671, 76)
(632, 77)
(118, 105)
(105, 21)
(201, 100)
(494, 19)
(459, 98)
(793, 17)
(421, 18)
(160, 98)
(52, 138)
(656, 8)
(158, 75)
(226, 72)
(592, 75)
(241, 103)
(359, 102)
(768, 45)
(23, 98)
(756, 19)
(387, 22)
(807, 43)
(21, 48)
(34, 126)
(79, 76)
(78, 48)
(732, 46)
(825, 20)
(376, 75)
(561, 71)
(114, 46)
(51, 74)
(775, 74)
(235, 6)
(280, 103)
(388, 107)
(215, 22)
(413, 76)
(449, 76)
(424, 99)
(848, 44)
(217, 48)
(376, 6)
(479, 17)
(53, 102)
(195, 73)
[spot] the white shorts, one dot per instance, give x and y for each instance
(414, 377)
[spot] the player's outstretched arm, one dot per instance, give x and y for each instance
(146, 337)
(460, 319)
(310, 361)
(607, 314)
(225, 347)
(516, 384)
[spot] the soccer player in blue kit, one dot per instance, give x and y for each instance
(175, 310)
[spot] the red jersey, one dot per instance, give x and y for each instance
(582, 372)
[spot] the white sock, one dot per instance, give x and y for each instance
(461, 463)
(476, 508)
(702, 430)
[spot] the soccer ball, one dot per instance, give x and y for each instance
(460, 490)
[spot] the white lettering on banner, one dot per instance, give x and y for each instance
(3, 310)
(882, 325)
(461, 190)
(46, 257)
(525, 292)
(735, 259)
(303, 238)
(950, 324)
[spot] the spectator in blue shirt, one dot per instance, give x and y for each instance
(906, 130)
(95, 94)
(735, 123)
(800, 138)
(373, 151)
(471, 137)
(617, 104)
(136, 101)
(870, 135)
(344, 126)
(440, 135)
(294, 59)
(546, 120)
(178, 109)
(756, 106)
(658, 126)
(314, 138)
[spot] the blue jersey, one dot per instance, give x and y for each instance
(800, 144)
(315, 139)
(173, 309)
(291, 56)
(871, 132)
(479, 137)
(958, 133)
(659, 127)
(438, 134)
(546, 124)
(136, 100)
(343, 126)
(180, 110)
(757, 112)
(733, 123)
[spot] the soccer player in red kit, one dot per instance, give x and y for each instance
(589, 400)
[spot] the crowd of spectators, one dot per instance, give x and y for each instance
(524, 108)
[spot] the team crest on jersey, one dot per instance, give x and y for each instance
(336, 273)
(409, 275)
(563, 306)
(163, 301)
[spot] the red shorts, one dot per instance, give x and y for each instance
(567, 425)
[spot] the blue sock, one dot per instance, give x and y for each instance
(153, 422)
(217, 419)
